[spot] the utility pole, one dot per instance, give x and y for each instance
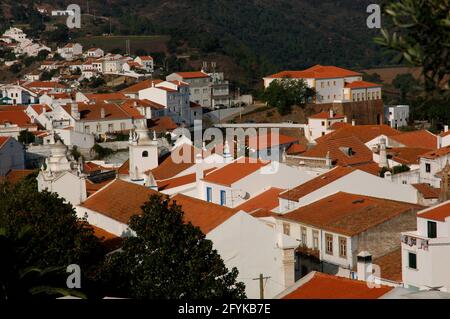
(261, 285)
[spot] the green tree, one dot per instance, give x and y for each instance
(419, 31)
(285, 93)
(168, 259)
(26, 137)
(15, 68)
(406, 84)
(57, 237)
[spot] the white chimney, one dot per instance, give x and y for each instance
(353, 123)
(331, 113)
(74, 111)
(364, 265)
(44, 109)
(383, 162)
(102, 113)
(388, 176)
(445, 128)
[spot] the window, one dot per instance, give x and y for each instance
(99, 128)
(323, 123)
(329, 241)
(427, 167)
(315, 239)
(432, 229)
(87, 129)
(208, 194)
(110, 128)
(144, 154)
(286, 229)
(223, 198)
(342, 247)
(412, 260)
(322, 84)
(334, 83)
(304, 235)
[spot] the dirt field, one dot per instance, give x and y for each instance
(108, 43)
(389, 74)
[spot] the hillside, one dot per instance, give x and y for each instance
(260, 36)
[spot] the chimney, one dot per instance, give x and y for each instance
(74, 111)
(44, 110)
(388, 176)
(445, 128)
(364, 265)
(383, 162)
(353, 123)
(331, 113)
(444, 195)
(102, 113)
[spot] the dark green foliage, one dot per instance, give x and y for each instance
(400, 169)
(406, 84)
(285, 93)
(26, 137)
(101, 152)
(168, 259)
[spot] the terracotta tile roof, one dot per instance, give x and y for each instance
(194, 105)
(371, 168)
(295, 149)
(106, 96)
(179, 181)
(16, 175)
(437, 213)
(92, 188)
(38, 108)
(170, 168)
(361, 85)
(436, 153)
(92, 112)
(364, 133)
(417, 139)
(124, 169)
(18, 117)
(132, 111)
(358, 152)
(110, 241)
(316, 72)
(162, 124)
(349, 214)
(443, 134)
(206, 216)
(326, 115)
(264, 141)
(338, 125)
(267, 200)
(179, 83)
(406, 155)
(143, 103)
(427, 191)
(135, 88)
(193, 75)
(166, 89)
(316, 183)
(3, 140)
(234, 171)
(44, 84)
(324, 286)
(146, 58)
(119, 200)
(391, 265)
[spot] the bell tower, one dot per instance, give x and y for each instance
(143, 153)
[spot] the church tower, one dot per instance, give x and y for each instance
(143, 153)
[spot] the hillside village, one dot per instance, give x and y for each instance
(348, 199)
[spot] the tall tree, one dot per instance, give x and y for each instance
(168, 259)
(285, 93)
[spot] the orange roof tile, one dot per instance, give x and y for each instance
(349, 214)
(437, 213)
(267, 200)
(234, 171)
(316, 72)
(391, 265)
(417, 139)
(124, 169)
(316, 183)
(110, 241)
(371, 168)
(170, 168)
(162, 124)
(337, 149)
(18, 117)
(296, 149)
(361, 85)
(269, 140)
(145, 58)
(44, 84)
(427, 191)
(3, 140)
(406, 155)
(16, 175)
(436, 153)
(324, 286)
(179, 181)
(326, 115)
(119, 200)
(364, 133)
(206, 216)
(106, 96)
(193, 75)
(92, 112)
(135, 88)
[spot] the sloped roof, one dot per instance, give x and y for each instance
(364, 133)
(361, 85)
(193, 75)
(437, 213)
(417, 139)
(135, 88)
(267, 200)
(92, 112)
(317, 72)
(427, 191)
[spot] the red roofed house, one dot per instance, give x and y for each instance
(241, 240)
(322, 123)
(426, 251)
(146, 61)
(12, 155)
(95, 53)
(18, 94)
(199, 85)
(70, 51)
(332, 84)
(14, 120)
(336, 228)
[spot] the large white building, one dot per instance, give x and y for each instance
(396, 115)
(332, 84)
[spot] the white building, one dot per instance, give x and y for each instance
(95, 53)
(241, 240)
(70, 51)
(199, 85)
(426, 251)
(396, 115)
(322, 123)
(19, 94)
(12, 155)
(15, 33)
(146, 61)
(332, 84)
